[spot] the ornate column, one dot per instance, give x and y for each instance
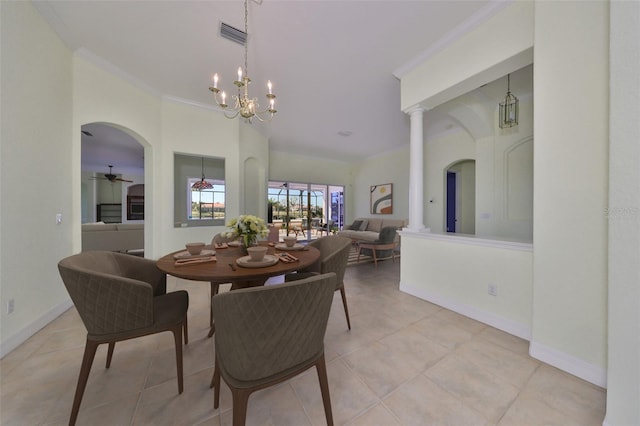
(416, 170)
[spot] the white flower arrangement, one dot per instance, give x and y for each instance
(248, 228)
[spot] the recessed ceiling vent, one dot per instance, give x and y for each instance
(233, 34)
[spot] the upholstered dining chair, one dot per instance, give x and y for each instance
(266, 335)
(120, 297)
(334, 255)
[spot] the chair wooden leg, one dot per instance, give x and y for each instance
(215, 384)
(186, 331)
(112, 346)
(87, 360)
(240, 402)
(214, 290)
(321, 368)
(344, 303)
(177, 336)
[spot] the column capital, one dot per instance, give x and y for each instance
(414, 109)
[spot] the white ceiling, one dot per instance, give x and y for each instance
(331, 62)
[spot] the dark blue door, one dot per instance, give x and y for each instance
(451, 202)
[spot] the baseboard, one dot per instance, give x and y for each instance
(12, 342)
(572, 365)
(496, 321)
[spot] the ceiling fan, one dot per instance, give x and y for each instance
(110, 177)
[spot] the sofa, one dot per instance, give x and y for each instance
(368, 229)
(122, 237)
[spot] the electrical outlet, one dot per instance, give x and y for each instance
(10, 306)
(493, 290)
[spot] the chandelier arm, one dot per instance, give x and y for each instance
(231, 116)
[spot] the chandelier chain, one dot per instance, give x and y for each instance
(246, 31)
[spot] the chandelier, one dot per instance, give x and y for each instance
(244, 106)
(508, 109)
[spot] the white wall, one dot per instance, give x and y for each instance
(570, 187)
(441, 279)
(190, 130)
(623, 373)
(570, 164)
(36, 174)
(254, 156)
(388, 167)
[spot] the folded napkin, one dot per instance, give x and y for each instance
(187, 261)
(287, 258)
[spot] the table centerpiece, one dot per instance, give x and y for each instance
(247, 228)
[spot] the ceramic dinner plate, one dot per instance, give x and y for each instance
(185, 254)
(234, 244)
(246, 261)
(283, 246)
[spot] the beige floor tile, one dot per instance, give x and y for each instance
(442, 332)
(162, 405)
(421, 402)
(505, 340)
(474, 386)
(378, 415)
(470, 325)
(535, 412)
(414, 349)
(277, 405)
(497, 361)
(582, 402)
(349, 395)
(381, 368)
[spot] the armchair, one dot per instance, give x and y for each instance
(334, 255)
(266, 335)
(121, 297)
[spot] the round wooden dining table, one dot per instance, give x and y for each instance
(225, 269)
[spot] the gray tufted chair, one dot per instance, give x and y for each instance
(266, 335)
(334, 255)
(121, 297)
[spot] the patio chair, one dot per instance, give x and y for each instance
(267, 335)
(326, 227)
(121, 297)
(334, 254)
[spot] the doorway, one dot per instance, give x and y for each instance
(460, 195)
(303, 208)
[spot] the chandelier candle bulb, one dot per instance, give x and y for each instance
(269, 86)
(215, 81)
(239, 73)
(224, 97)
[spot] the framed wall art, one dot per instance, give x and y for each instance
(382, 199)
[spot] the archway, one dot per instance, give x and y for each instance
(112, 181)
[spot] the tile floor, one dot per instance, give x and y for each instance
(406, 362)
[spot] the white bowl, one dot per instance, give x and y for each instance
(290, 241)
(194, 248)
(257, 252)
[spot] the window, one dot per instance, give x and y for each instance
(204, 207)
(206, 204)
